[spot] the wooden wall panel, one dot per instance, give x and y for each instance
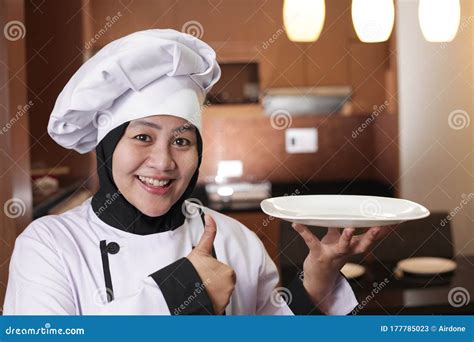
(54, 52)
(253, 30)
(230, 134)
(386, 160)
(15, 194)
(368, 65)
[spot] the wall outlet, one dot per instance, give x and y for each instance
(301, 140)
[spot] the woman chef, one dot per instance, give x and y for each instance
(137, 246)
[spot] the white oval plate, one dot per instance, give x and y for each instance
(352, 271)
(343, 210)
(426, 265)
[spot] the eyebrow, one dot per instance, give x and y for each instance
(185, 127)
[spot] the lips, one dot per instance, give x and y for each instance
(148, 184)
(150, 181)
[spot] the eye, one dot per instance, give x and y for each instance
(142, 137)
(181, 142)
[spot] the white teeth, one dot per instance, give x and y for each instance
(154, 182)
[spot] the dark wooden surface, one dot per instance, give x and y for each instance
(409, 297)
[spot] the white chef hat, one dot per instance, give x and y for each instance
(146, 73)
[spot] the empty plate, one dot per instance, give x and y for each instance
(352, 271)
(343, 210)
(426, 266)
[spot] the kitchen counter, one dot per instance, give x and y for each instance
(313, 188)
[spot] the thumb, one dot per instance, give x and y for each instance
(207, 238)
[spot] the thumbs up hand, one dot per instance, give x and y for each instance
(218, 278)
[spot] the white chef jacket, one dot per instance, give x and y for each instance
(56, 267)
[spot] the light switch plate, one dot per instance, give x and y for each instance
(301, 140)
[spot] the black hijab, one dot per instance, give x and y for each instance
(112, 207)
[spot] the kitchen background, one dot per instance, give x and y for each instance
(391, 118)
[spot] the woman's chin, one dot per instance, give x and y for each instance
(154, 212)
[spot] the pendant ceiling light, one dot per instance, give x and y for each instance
(439, 19)
(304, 19)
(373, 19)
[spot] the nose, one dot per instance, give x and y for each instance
(161, 159)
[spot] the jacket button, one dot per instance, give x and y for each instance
(113, 247)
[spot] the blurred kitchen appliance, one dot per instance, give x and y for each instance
(237, 195)
(306, 100)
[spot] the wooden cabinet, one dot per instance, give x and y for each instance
(248, 30)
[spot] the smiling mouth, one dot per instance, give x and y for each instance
(155, 183)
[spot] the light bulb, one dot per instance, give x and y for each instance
(373, 19)
(304, 19)
(439, 19)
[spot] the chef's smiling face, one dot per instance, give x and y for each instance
(154, 162)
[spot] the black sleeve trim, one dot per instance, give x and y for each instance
(300, 302)
(184, 292)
